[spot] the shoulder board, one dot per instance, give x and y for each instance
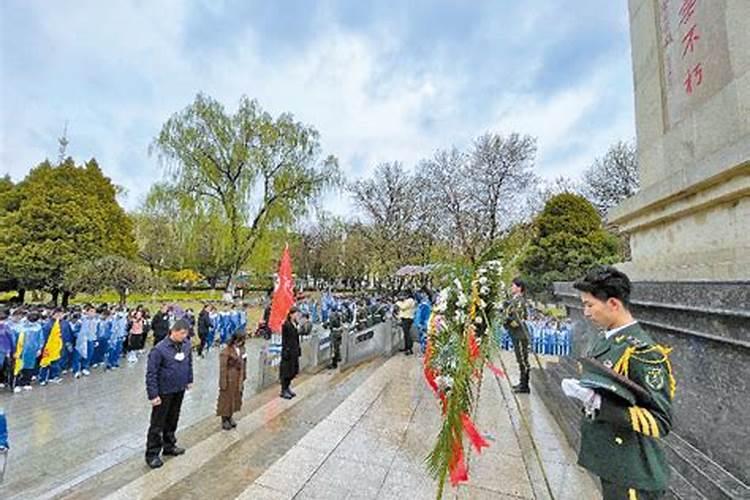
(638, 343)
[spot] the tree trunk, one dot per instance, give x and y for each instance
(123, 297)
(22, 295)
(65, 298)
(55, 296)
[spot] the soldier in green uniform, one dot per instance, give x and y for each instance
(620, 438)
(516, 313)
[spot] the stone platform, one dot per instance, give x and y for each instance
(360, 432)
(374, 444)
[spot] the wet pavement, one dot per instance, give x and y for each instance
(374, 444)
(360, 433)
(62, 435)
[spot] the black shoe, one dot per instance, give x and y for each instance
(409, 352)
(173, 452)
(521, 389)
(226, 424)
(286, 395)
(232, 422)
(294, 394)
(402, 350)
(332, 367)
(154, 462)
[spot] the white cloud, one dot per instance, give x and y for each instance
(122, 68)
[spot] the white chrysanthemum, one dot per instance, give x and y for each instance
(462, 300)
(484, 290)
(458, 284)
(483, 280)
(482, 304)
(478, 320)
(444, 382)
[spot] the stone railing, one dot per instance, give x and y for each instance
(357, 345)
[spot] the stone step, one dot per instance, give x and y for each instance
(705, 475)
(681, 489)
(204, 456)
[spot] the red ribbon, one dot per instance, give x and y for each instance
(497, 371)
(476, 439)
(444, 401)
(457, 466)
(473, 346)
(429, 375)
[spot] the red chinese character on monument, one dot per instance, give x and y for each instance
(688, 41)
(694, 78)
(687, 10)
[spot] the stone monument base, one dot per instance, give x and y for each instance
(708, 326)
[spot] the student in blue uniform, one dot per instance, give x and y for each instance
(103, 335)
(84, 350)
(29, 340)
(119, 324)
(55, 330)
(7, 350)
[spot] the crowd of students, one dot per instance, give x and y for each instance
(41, 345)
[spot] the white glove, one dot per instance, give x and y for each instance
(573, 389)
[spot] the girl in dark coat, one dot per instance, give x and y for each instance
(290, 353)
(232, 375)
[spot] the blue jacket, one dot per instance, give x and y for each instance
(7, 341)
(166, 374)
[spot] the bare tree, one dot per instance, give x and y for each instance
(479, 196)
(388, 200)
(612, 178)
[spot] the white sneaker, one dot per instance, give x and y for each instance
(57, 380)
(43, 383)
(27, 388)
(16, 390)
(86, 373)
(2, 386)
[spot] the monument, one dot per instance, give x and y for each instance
(689, 229)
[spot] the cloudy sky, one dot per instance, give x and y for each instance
(381, 80)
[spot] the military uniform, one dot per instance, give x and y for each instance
(516, 313)
(620, 442)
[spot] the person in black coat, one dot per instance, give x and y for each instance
(290, 353)
(204, 326)
(160, 324)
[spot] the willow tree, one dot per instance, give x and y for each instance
(263, 172)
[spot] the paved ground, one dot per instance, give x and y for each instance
(360, 433)
(374, 444)
(64, 434)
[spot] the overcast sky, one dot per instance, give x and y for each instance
(380, 80)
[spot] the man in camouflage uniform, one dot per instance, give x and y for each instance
(516, 313)
(620, 439)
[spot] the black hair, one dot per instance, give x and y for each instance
(237, 336)
(604, 283)
(519, 283)
(4, 313)
(180, 325)
(33, 316)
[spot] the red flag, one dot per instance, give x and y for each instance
(283, 295)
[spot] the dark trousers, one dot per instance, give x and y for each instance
(24, 377)
(406, 326)
(6, 372)
(521, 348)
(285, 383)
(161, 432)
(336, 344)
(612, 491)
(202, 345)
